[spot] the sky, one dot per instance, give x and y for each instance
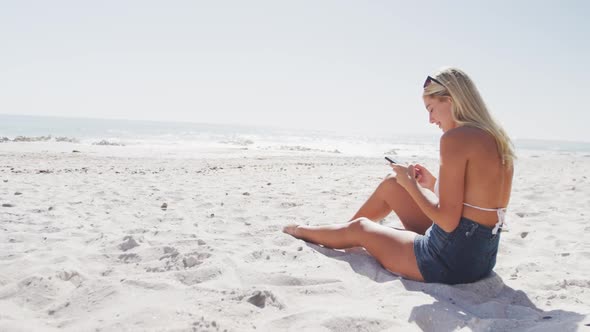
(336, 65)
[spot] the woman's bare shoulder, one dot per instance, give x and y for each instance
(466, 135)
(465, 132)
(467, 141)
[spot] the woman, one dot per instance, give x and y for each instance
(454, 240)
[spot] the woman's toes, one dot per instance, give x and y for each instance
(291, 229)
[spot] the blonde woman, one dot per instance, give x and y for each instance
(454, 240)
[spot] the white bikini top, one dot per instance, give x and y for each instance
(500, 211)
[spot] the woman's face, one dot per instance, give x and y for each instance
(439, 110)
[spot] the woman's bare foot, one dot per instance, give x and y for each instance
(292, 229)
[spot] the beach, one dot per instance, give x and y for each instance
(112, 238)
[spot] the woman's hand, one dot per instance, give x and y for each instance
(424, 178)
(405, 176)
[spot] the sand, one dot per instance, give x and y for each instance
(117, 239)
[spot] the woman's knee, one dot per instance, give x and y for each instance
(389, 185)
(389, 176)
(358, 226)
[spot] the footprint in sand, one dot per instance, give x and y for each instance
(263, 298)
(194, 259)
(128, 243)
(206, 325)
(200, 275)
(173, 260)
(169, 252)
(73, 276)
(129, 258)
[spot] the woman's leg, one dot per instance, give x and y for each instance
(394, 249)
(390, 196)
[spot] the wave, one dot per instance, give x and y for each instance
(58, 139)
(305, 149)
(47, 138)
(110, 143)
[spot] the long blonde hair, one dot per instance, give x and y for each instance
(469, 108)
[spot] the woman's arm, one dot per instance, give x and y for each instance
(453, 158)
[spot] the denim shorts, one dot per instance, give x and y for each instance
(464, 255)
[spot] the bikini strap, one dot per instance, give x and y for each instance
(501, 216)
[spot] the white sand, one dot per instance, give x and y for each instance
(86, 246)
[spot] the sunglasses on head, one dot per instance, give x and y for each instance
(430, 80)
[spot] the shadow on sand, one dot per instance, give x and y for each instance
(486, 305)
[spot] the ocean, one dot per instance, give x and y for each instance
(196, 137)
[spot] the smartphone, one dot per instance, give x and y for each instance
(390, 160)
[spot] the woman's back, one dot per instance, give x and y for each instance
(488, 182)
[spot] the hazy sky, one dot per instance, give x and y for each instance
(337, 65)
